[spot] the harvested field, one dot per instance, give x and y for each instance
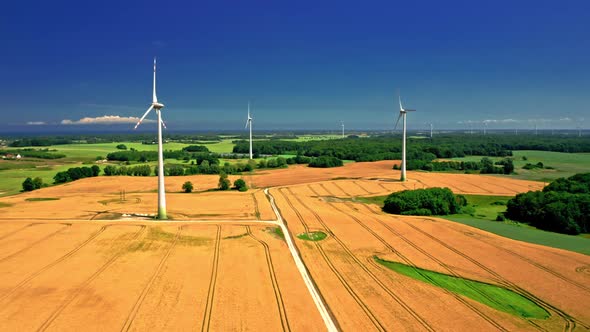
(342, 264)
(220, 265)
(137, 277)
(372, 172)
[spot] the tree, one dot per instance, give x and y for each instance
(224, 183)
(187, 187)
(240, 185)
(62, 177)
(95, 170)
(110, 170)
(38, 182)
(28, 185)
(122, 147)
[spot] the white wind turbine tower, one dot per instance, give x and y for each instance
(249, 124)
(402, 114)
(431, 126)
(342, 124)
(161, 190)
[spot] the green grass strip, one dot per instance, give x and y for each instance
(493, 296)
(312, 236)
(40, 199)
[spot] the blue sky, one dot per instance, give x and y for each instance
(302, 64)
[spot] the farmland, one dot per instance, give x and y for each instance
(81, 252)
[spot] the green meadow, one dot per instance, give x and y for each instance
(563, 164)
(493, 296)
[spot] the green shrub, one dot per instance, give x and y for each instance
(325, 162)
(240, 185)
(224, 182)
(424, 202)
(187, 187)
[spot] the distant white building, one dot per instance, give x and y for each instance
(18, 156)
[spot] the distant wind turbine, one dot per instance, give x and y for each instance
(249, 124)
(431, 126)
(342, 124)
(402, 114)
(161, 190)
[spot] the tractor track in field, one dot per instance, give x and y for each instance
(397, 299)
(72, 296)
(330, 264)
(32, 244)
(362, 188)
(567, 318)
(383, 186)
(274, 281)
(410, 263)
(256, 208)
(150, 283)
(569, 321)
(206, 324)
(17, 230)
(451, 271)
(530, 261)
(55, 262)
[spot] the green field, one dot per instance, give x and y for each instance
(564, 164)
(12, 179)
(89, 152)
(481, 213)
(224, 146)
(493, 296)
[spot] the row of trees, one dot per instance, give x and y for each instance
(424, 202)
(484, 166)
(139, 170)
(389, 147)
(33, 184)
(563, 206)
(75, 173)
(32, 153)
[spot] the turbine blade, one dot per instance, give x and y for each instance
(155, 99)
(399, 96)
(143, 117)
(247, 123)
(397, 122)
(409, 110)
(163, 124)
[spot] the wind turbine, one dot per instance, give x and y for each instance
(342, 124)
(161, 190)
(402, 114)
(485, 127)
(249, 123)
(431, 126)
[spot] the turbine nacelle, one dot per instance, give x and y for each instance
(157, 105)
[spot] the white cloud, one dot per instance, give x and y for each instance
(36, 123)
(105, 119)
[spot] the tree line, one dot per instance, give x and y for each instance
(75, 173)
(387, 147)
(563, 206)
(484, 166)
